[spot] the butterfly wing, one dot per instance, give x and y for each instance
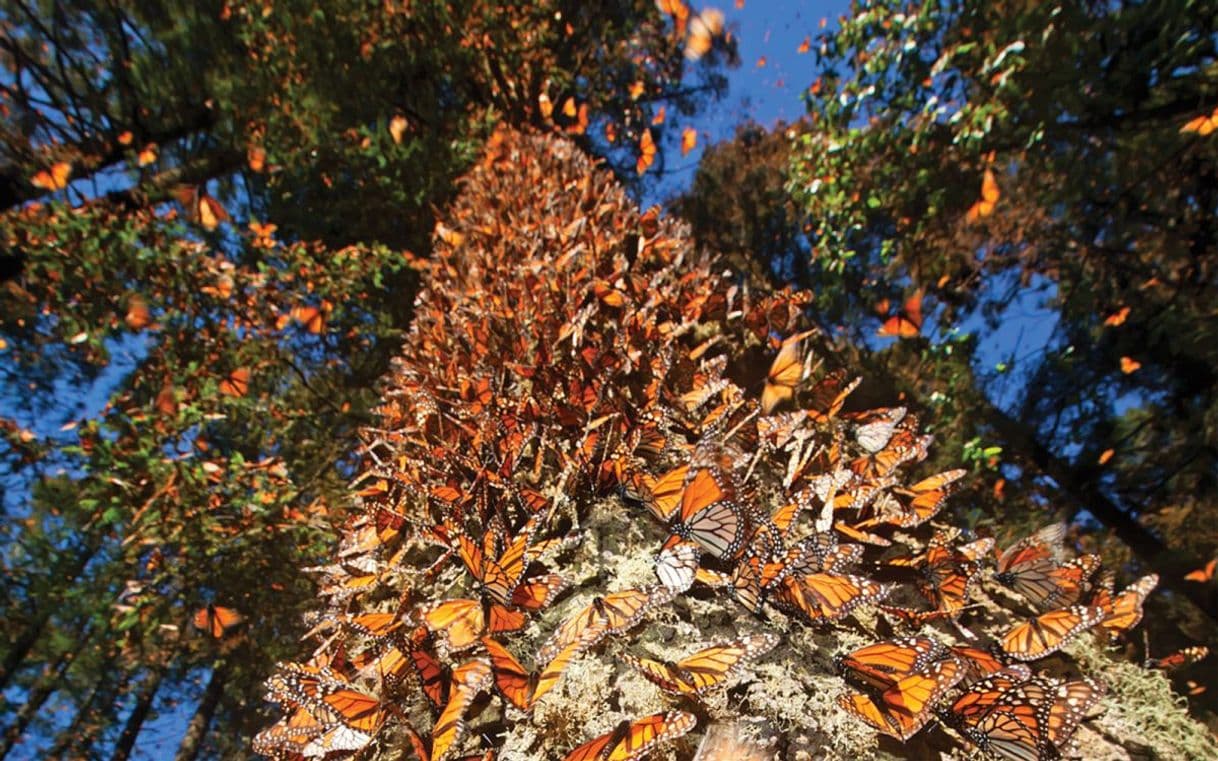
(468, 680)
(511, 679)
(1047, 632)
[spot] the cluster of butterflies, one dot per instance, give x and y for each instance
(565, 351)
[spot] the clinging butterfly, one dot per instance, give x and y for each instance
(706, 668)
(632, 740)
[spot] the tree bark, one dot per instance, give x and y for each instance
(139, 714)
(196, 731)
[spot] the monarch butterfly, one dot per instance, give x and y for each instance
(786, 372)
(611, 614)
(632, 740)
(883, 664)
(661, 496)
(902, 446)
(706, 668)
(1031, 568)
(905, 707)
(708, 517)
(824, 597)
(292, 733)
(753, 577)
(977, 663)
(874, 429)
(516, 684)
(324, 692)
(55, 178)
(468, 680)
(1123, 612)
(928, 496)
(1014, 715)
(1047, 632)
(907, 324)
(990, 194)
(647, 152)
(216, 620)
(420, 748)
(1178, 659)
(676, 566)
(828, 396)
(236, 383)
(462, 621)
(948, 573)
(433, 677)
(704, 29)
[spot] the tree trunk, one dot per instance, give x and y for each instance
(46, 685)
(196, 731)
(76, 741)
(33, 632)
(139, 714)
(65, 739)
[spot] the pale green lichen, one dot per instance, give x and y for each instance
(1142, 712)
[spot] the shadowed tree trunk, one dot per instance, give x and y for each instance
(139, 714)
(46, 685)
(33, 632)
(196, 731)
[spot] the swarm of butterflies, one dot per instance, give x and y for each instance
(576, 370)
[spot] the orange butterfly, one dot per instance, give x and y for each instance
(977, 663)
(990, 194)
(883, 664)
(677, 566)
(1203, 125)
(500, 578)
(661, 496)
(706, 668)
(1014, 715)
(217, 621)
(434, 678)
(56, 178)
(927, 497)
(948, 573)
(462, 622)
(236, 383)
(516, 684)
(341, 717)
(689, 140)
(905, 707)
(632, 740)
(1047, 632)
(908, 323)
(786, 373)
(1202, 574)
(467, 681)
(612, 614)
(1123, 612)
(827, 397)
(1178, 659)
(708, 517)
(647, 152)
(1030, 567)
(826, 597)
